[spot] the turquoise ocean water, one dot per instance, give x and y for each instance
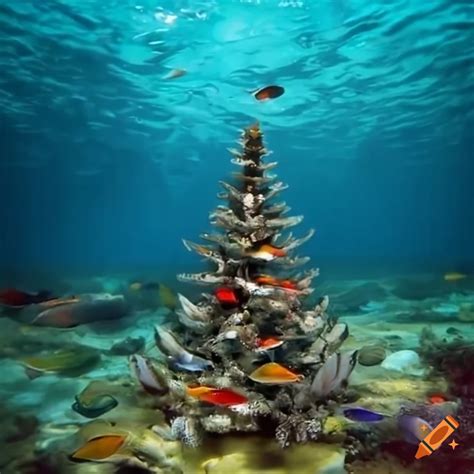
(115, 121)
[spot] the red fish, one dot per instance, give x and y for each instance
(269, 92)
(268, 343)
(226, 296)
(223, 397)
(18, 298)
(437, 399)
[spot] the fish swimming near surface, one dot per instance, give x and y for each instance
(99, 448)
(217, 396)
(454, 276)
(273, 373)
(269, 92)
(18, 299)
(362, 415)
(175, 73)
(95, 407)
(333, 374)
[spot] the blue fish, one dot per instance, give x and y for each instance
(192, 363)
(362, 415)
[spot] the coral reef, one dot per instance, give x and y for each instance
(249, 356)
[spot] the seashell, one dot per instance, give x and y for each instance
(371, 355)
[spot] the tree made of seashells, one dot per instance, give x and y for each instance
(247, 355)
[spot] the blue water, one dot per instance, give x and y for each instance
(105, 164)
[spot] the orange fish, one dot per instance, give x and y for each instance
(268, 343)
(198, 391)
(175, 73)
(267, 252)
(272, 281)
(273, 373)
(98, 448)
(217, 396)
(269, 92)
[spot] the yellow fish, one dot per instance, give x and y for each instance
(168, 297)
(72, 361)
(273, 373)
(199, 390)
(99, 448)
(454, 276)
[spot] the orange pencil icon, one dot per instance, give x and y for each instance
(435, 438)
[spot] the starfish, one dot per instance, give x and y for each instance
(453, 444)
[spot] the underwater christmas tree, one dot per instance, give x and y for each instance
(248, 356)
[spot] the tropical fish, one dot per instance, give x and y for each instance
(272, 281)
(273, 373)
(175, 73)
(72, 362)
(168, 297)
(17, 298)
(192, 363)
(268, 343)
(149, 377)
(266, 252)
(177, 354)
(269, 92)
(362, 414)
(226, 296)
(198, 390)
(223, 397)
(99, 448)
(333, 374)
(216, 396)
(454, 276)
(90, 308)
(413, 428)
(95, 407)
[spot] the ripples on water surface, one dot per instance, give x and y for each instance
(351, 68)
